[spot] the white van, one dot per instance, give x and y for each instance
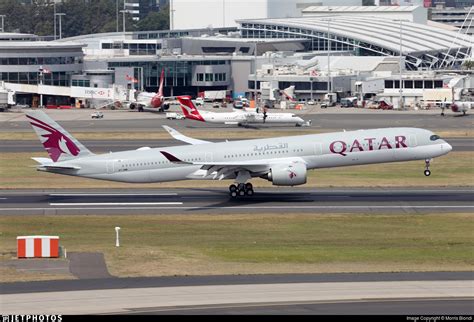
(199, 101)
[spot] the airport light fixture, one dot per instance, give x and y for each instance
(401, 103)
(117, 241)
(329, 55)
(123, 18)
(60, 27)
(3, 25)
(54, 15)
(117, 14)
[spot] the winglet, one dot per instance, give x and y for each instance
(171, 158)
(178, 136)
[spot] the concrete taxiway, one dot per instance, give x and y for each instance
(195, 201)
(124, 122)
(141, 300)
(365, 293)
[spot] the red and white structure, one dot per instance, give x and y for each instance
(37, 246)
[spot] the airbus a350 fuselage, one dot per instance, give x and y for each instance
(282, 160)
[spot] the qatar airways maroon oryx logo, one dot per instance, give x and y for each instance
(55, 142)
(367, 144)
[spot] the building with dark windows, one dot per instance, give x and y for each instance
(461, 18)
(139, 9)
(21, 62)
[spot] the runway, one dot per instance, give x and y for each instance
(217, 201)
(7, 146)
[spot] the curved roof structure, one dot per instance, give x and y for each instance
(379, 36)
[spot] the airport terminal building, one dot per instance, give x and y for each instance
(227, 58)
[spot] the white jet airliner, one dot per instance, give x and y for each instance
(282, 160)
(237, 117)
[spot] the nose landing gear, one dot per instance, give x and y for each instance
(427, 171)
(242, 189)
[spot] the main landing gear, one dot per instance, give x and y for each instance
(427, 167)
(241, 189)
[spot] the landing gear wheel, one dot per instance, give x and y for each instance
(427, 171)
(249, 192)
(232, 188)
(241, 192)
(233, 194)
(248, 186)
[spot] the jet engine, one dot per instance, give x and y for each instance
(292, 174)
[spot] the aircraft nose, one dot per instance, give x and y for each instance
(446, 147)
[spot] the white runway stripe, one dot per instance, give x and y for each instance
(114, 203)
(109, 194)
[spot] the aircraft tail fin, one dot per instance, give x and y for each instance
(189, 110)
(162, 80)
(59, 144)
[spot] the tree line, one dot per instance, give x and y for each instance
(81, 17)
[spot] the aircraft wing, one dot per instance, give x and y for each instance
(221, 170)
(181, 137)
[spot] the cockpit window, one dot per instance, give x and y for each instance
(434, 137)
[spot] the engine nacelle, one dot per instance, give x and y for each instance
(292, 174)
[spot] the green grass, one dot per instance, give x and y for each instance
(204, 133)
(455, 169)
(264, 243)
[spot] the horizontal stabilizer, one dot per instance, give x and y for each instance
(43, 160)
(59, 167)
(48, 164)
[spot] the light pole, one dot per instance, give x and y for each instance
(255, 80)
(117, 14)
(123, 18)
(3, 25)
(60, 27)
(329, 57)
(401, 80)
(41, 78)
(171, 14)
(54, 9)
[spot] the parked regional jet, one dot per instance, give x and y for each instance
(152, 102)
(282, 160)
(237, 117)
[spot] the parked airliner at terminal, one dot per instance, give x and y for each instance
(282, 160)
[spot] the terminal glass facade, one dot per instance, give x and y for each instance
(178, 74)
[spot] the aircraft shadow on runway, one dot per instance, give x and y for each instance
(258, 198)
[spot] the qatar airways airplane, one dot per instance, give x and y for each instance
(282, 160)
(237, 117)
(152, 102)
